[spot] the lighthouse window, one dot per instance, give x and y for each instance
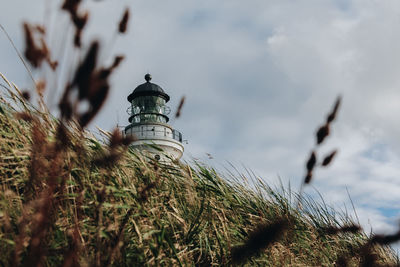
(135, 110)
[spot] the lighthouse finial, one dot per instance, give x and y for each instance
(147, 77)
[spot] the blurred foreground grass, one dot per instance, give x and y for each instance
(137, 212)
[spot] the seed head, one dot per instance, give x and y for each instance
(328, 159)
(123, 24)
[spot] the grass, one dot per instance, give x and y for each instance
(137, 212)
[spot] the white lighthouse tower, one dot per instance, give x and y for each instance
(149, 122)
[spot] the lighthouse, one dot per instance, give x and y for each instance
(148, 118)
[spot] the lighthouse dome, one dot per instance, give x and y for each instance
(148, 89)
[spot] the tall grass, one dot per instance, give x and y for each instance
(140, 212)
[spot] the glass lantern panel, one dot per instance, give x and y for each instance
(148, 104)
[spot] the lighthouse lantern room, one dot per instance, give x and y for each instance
(149, 122)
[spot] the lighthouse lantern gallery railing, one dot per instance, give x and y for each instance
(144, 132)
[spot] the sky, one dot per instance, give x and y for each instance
(259, 77)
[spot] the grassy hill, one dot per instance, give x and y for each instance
(67, 199)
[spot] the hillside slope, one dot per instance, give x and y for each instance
(66, 199)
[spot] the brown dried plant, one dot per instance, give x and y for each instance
(37, 54)
(333, 230)
(180, 106)
(262, 237)
(123, 24)
(321, 135)
(92, 85)
(369, 255)
(50, 166)
(328, 159)
(78, 20)
(116, 149)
